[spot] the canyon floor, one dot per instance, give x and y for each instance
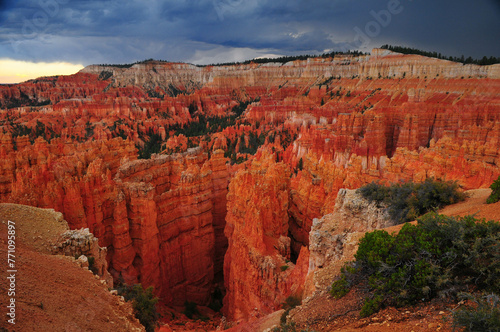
(54, 294)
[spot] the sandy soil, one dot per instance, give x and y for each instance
(475, 205)
(52, 292)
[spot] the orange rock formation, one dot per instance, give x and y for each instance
(258, 273)
(71, 143)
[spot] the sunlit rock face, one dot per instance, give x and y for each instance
(161, 219)
(258, 273)
(187, 221)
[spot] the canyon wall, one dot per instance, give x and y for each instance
(258, 273)
(161, 219)
(174, 205)
(383, 63)
(275, 143)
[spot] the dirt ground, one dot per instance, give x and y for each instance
(52, 293)
(476, 205)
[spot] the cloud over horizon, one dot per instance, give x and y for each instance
(212, 31)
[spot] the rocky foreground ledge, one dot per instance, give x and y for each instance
(53, 292)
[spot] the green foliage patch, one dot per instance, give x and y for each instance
(151, 146)
(290, 303)
(144, 303)
(484, 315)
(406, 201)
(201, 125)
(495, 194)
(437, 257)
(469, 60)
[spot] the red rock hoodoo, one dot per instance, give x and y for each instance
(244, 157)
(258, 273)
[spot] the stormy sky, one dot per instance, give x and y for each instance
(212, 31)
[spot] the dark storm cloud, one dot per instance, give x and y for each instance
(224, 30)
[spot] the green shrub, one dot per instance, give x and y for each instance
(144, 303)
(300, 165)
(347, 278)
(407, 201)
(371, 306)
(483, 316)
(495, 194)
(374, 192)
(285, 327)
(437, 257)
(340, 287)
(290, 303)
(151, 146)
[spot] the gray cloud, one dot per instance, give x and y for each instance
(115, 31)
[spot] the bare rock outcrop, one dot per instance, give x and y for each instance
(334, 238)
(75, 243)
